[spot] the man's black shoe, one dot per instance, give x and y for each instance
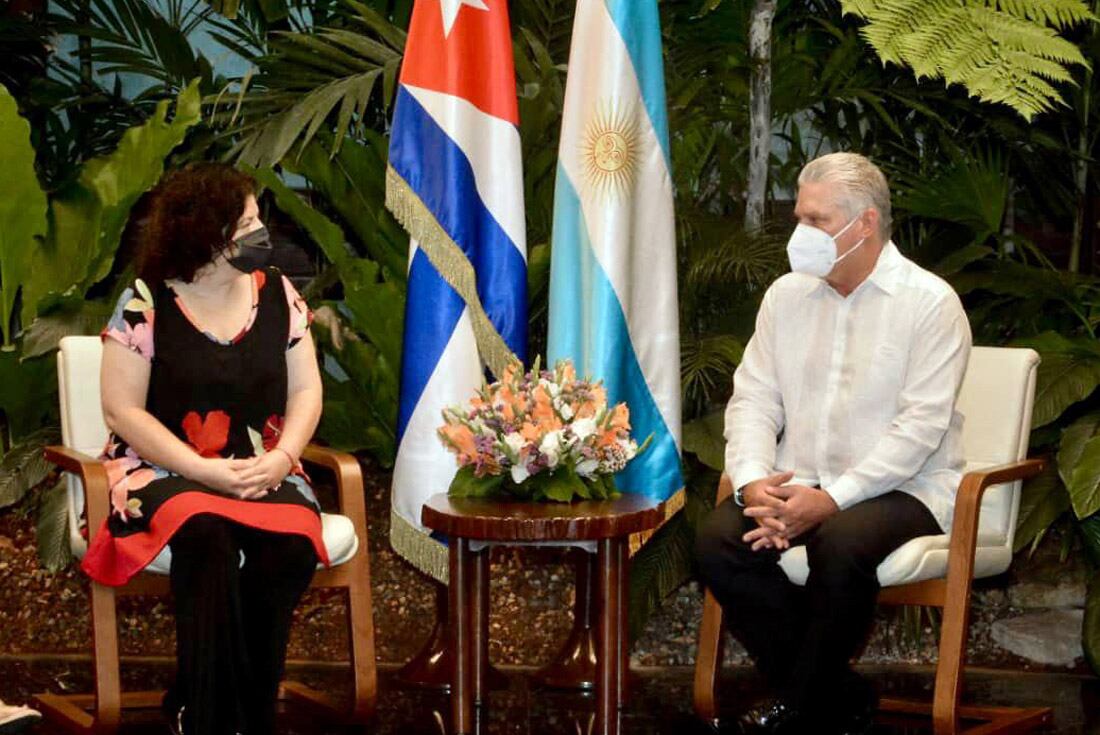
(774, 717)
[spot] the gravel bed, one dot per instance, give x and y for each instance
(531, 609)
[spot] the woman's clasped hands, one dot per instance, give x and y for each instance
(248, 479)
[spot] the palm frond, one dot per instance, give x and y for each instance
(706, 366)
(751, 260)
(135, 37)
(1001, 51)
(324, 79)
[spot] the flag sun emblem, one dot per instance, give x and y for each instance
(610, 150)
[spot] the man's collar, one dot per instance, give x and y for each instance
(885, 274)
(887, 269)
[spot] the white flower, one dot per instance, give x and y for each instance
(588, 467)
(519, 473)
(630, 449)
(584, 428)
(515, 441)
(565, 410)
(551, 448)
(552, 388)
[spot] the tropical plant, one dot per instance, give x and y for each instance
(319, 80)
(1002, 51)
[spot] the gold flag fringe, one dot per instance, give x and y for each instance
(448, 258)
(418, 548)
(671, 506)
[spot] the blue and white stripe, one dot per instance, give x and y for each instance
(464, 166)
(613, 292)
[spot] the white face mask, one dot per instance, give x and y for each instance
(813, 251)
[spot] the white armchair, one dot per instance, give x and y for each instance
(84, 434)
(996, 401)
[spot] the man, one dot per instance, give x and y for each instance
(841, 436)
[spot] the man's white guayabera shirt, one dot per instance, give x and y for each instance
(857, 394)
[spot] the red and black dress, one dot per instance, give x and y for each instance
(224, 399)
(238, 567)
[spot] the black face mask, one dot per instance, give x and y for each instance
(253, 251)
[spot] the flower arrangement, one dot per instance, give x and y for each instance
(539, 435)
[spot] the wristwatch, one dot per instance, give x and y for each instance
(739, 496)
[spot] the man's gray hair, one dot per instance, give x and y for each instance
(861, 184)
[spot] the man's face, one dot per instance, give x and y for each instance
(817, 207)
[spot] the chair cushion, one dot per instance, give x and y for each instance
(341, 542)
(922, 558)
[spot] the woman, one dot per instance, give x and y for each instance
(211, 390)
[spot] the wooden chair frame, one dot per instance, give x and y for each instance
(952, 594)
(84, 714)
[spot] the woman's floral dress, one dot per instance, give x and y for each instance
(223, 399)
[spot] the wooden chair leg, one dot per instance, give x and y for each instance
(361, 633)
(708, 661)
(108, 699)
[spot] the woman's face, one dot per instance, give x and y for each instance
(250, 218)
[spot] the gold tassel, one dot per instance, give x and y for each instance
(448, 258)
(418, 548)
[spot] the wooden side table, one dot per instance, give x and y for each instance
(608, 523)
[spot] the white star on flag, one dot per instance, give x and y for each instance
(450, 10)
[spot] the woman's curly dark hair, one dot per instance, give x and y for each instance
(191, 214)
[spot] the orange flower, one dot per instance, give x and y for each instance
(543, 410)
(461, 438)
(607, 438)
(620, 417)
(529, 431)
(568, 373)
(586, 410)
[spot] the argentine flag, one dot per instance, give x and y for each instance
(455, 182)
(613, 295)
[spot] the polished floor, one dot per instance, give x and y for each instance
(660, 701)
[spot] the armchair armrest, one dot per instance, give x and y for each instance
(968, 500)
(349, 480)
(725, 489)
(93, 475)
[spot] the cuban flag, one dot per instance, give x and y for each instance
(455, 182)
(613, 294)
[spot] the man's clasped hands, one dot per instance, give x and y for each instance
(783, 512)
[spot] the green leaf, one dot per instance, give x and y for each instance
(961, 258)
(1090, 534)
(1073, 443)
(1003, 52)
(53, 528)
(1068, 373)
(1043, 501)
(658, 569)
(323, 231)
(377, 306)
(562, 485)
(22, 208)
(704, 437)
(353, 183)
(28, 393)
(468, 485)
(1084, 484)
(71, 316)
(25, 465)
(360, 389)
(87, 216)
(1090, 632)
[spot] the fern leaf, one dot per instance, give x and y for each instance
(1003, 51)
